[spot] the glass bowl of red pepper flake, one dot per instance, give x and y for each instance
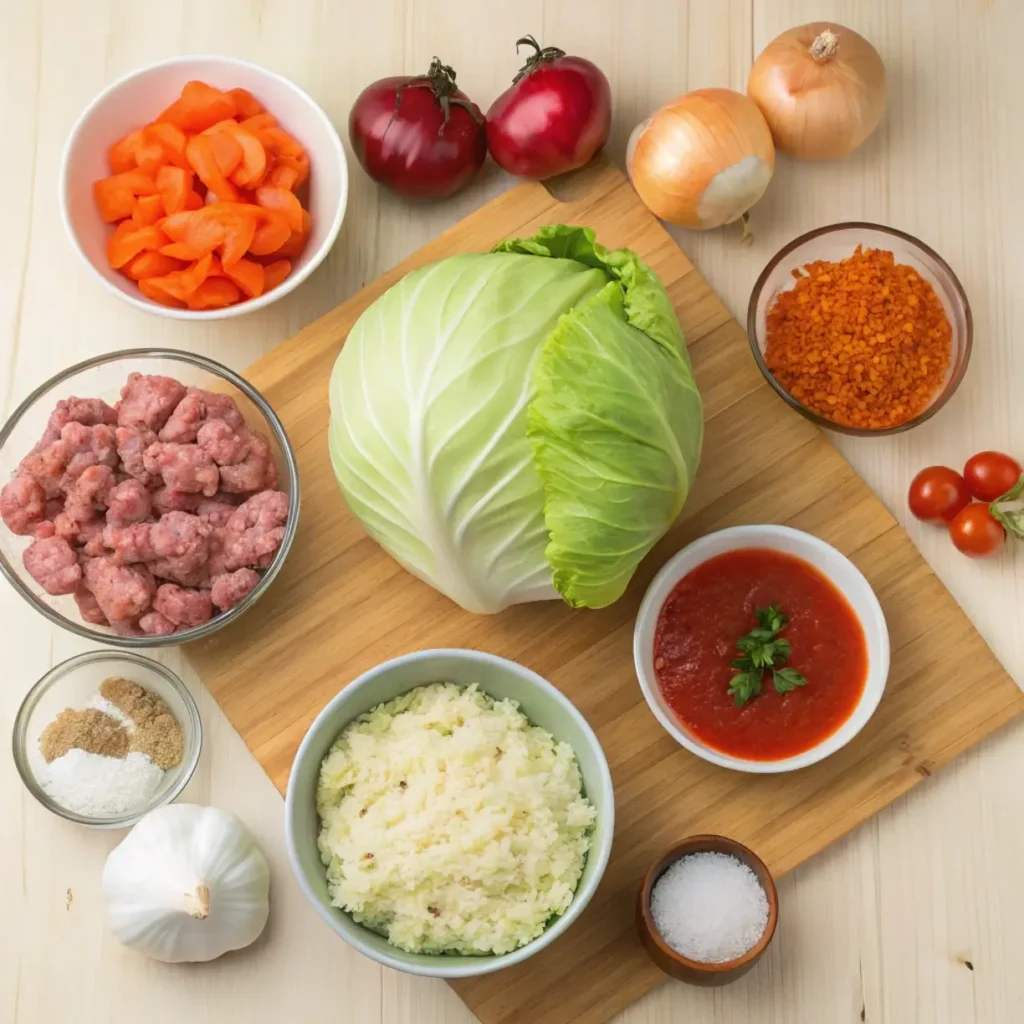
(861, 328)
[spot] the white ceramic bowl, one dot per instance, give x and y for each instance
(135, 100)
(540, 702)
(844, 575)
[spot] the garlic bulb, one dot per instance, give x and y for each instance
(188, 883)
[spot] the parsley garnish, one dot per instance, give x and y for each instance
(763, 650)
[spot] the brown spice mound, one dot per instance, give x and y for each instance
(863, 342)
(90, 730)
(157, 732)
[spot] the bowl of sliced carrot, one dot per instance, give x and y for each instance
(203, 187)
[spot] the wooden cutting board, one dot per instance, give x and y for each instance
(342, 605)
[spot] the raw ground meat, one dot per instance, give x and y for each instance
(52, 563)
(194, 410)
(132, 543)
(166, 499)
(183, 467)
(230, 588)
(88, 607)
(256, 530)
(46, 466)
(183, 606)
(89, 411)
(128, 502)
(92, 488)
(132, 443)
(148, 400)
(224, 444)
(169, 493)
(216, 513)
(155, 624)
(123, 592)
(256, 472)
(23, 504)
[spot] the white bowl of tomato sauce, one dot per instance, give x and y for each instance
(761, 648)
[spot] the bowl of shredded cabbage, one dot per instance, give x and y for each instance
(449, 813)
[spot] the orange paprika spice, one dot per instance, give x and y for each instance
(863, 342)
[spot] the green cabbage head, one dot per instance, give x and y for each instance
(521, 424)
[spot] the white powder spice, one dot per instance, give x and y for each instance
(99, 786)
(109, 708)
(709, 907)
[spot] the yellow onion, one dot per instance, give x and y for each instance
(703, 159)
(821, 88)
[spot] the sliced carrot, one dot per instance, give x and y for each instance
(297, 241)
(150, 264)
(121, 155)
(277, 139)
(149, 153)
(122, 246)
(274, 273)
(253, 165)
(194, 201)
(228, 122)
(239, 231)
(214, 293)
(115, 196)
(180, 284)
(258, 122)
(199, 106)
(170, 139)
(149, 287)
(282, 176)
(298, 162)
(202, 233)
(148, 210)
(248, 275)
(226, 151)
(180, 251)
(199, 151)
(246, 105)
(271, 197)
(271, 233)
(174, 185)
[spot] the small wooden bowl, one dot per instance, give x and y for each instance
(675, 964)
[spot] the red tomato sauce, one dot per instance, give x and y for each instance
(695, 642)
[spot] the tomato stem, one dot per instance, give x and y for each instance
(1006, 512)
(440, 79)
(543, 54)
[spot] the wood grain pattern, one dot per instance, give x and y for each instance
(341, 605)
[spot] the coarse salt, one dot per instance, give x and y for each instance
(709, 907)
(99, 786)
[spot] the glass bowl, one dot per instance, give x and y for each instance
(70, 685)
(102, 377)
(836, 242)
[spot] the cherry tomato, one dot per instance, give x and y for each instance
(419, 136)
(975, 533)
(553, 118)
(990, 475)
(937, 494)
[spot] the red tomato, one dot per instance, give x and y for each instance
(990, 475)
(937, 494)
(553, 118)
(419, 136)
(975, 533)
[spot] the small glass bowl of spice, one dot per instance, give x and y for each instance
(707, 910)
(861, 328)
(104, 738)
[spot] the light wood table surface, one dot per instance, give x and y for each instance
(916, 918)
